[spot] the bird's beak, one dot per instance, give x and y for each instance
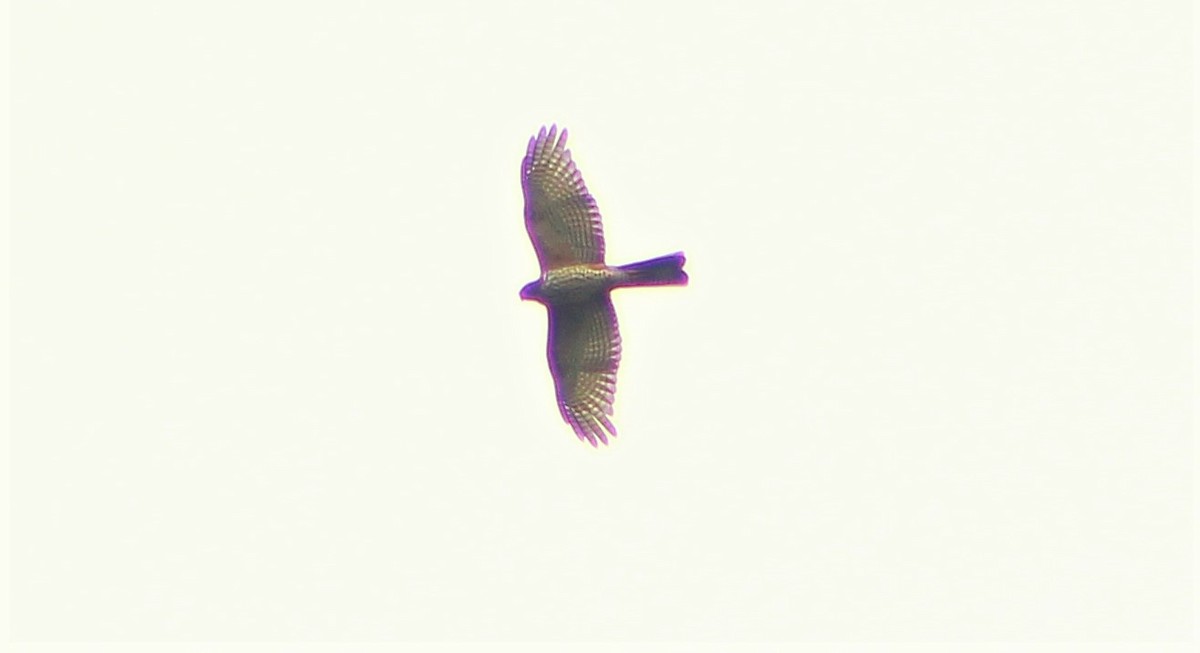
(527, 291)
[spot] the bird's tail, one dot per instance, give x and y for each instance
(662, 271)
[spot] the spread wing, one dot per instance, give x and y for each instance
(584, 350)
(560, 215)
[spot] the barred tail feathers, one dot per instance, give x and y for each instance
(662, 271)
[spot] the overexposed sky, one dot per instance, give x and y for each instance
(930, 381)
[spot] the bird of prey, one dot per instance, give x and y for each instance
(584, 346)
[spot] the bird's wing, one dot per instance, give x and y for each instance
(584, 350)
(560, 215)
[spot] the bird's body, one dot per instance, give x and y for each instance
(576, 283)
(584, 344)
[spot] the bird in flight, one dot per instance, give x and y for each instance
(584, 345)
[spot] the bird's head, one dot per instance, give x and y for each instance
(532, 291)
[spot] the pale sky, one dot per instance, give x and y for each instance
(930, 381)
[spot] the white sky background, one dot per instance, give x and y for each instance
(931, 381)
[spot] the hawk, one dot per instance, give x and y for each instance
(584, 345)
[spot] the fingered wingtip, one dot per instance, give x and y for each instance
(588, 437)
(591, 429)
(553, 135)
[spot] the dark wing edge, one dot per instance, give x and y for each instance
(584, 351)
(561, 216)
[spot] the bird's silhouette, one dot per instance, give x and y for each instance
(584, 344)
